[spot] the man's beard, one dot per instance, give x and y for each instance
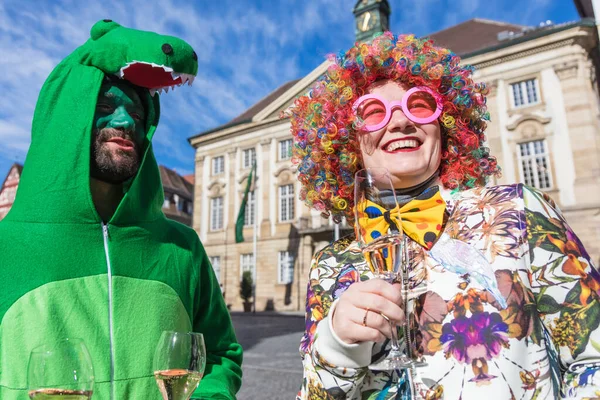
(113, 167)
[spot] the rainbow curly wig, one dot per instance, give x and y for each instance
(326, 148)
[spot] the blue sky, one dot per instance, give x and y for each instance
(246, 48)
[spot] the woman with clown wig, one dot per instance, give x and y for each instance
(516, 316)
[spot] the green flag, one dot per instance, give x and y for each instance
(239, 223)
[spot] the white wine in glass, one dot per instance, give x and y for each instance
(378, 229)
(61, 370)
(179, 363)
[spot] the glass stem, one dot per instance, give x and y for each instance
(395, 351)
(404, 283)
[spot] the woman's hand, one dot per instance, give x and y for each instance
(378, 296)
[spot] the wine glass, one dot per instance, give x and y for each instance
(60, 370)
(179, 363)
(379, 233)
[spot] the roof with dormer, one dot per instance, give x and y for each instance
(176, 184)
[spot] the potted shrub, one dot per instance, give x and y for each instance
(246, 288)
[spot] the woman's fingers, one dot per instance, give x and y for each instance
(379, 304)
(379, 286)
(374, 320)
(374, 303)
(367, 334)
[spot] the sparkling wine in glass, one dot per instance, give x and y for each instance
(179, 363)
(378, 229)
(61, 370)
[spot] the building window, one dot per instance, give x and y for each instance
(525, 93)
(216, 213)
(247, 263)
(534, 164)
(184, 206)
(250, 208)
(286, 203)
(285, 149)
(218, 165)
(216, 264)
(167, 201)
(248, 158)
(285, 268)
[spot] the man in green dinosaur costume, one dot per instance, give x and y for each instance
(86, 251)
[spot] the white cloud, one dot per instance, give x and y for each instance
(35, 37)
(15, 139)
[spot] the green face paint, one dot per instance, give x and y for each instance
(118, 133)
(120, 107)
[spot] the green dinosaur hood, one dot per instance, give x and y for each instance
(54, 186)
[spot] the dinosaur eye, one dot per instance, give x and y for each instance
(107, 20)
(167, 49)
(194, 56)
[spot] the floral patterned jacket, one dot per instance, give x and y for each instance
(544, 345)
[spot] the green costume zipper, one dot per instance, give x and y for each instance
(110, 310)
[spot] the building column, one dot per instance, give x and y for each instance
(584, 126)
(508, 165)
(262, 256)
(305, 255)
(230, 256)
(270, 193)
(200, 220)
(264, 169)
(561, 144)
(230, 174)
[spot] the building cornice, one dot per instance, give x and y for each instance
(566, 70)
(234, 131)
(528, 117)
(576, 35)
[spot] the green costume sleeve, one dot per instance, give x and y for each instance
(223, 375)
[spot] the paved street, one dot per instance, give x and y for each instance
(272, 367)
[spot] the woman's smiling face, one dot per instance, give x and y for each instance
(411, 152)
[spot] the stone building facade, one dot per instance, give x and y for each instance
(545, 131)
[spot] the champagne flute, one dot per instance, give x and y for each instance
(378, 229)
(61, 370)
(179, 363)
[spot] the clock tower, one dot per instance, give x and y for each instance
(372, 17)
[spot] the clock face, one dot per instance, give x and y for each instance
(366, 21)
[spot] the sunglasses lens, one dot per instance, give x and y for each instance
(421, 104)
(371, 112)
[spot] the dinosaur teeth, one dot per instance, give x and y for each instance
(178, 79)
(183, 77)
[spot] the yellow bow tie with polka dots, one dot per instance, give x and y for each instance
(421, 219)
